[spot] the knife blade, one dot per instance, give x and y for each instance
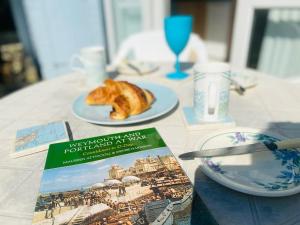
(135, 68)
(242, 149)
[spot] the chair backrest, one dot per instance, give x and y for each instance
(151, 46)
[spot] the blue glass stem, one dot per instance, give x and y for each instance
(177, 64)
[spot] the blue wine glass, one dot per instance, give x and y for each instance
(177, 32)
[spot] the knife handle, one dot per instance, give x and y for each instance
(288, 143)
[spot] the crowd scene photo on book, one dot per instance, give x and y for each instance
(153, 189)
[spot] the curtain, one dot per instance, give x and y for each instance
(280, 51)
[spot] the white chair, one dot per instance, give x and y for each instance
(151, 46)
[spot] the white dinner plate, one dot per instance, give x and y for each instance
(143, 67)
(165, 101)
(269, 173)
(244, 79)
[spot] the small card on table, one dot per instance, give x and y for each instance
(38, 138)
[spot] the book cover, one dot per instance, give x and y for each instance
(38, 138)
(124, 178)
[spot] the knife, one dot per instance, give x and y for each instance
(243, 149)
(239, 88)
(135, 68)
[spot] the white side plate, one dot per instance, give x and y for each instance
(271, 173)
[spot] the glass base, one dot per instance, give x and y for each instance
(177, 75)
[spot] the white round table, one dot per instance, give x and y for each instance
(273, 105)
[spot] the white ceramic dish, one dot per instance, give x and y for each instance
(143, 68)
(244, 79)
(270, 173)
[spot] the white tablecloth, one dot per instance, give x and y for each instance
(273, 105)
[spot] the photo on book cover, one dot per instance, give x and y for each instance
(144, 187)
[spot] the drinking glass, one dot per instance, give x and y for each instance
(177, 32)
(211, 91)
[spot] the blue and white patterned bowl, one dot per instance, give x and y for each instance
(270, 173)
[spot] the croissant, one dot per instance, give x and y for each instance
(120, 108)
(126, 98)
(103, 95)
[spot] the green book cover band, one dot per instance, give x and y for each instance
(97, 148)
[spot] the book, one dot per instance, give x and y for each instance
(38, 138)
(124, 178)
